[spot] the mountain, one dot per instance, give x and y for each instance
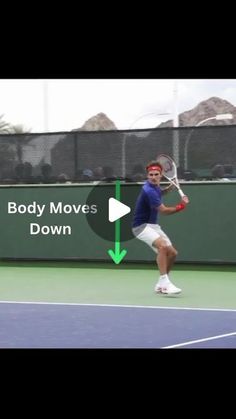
(205, 109)
(99, 122)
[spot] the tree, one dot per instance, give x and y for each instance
(9, 153)
(4, 126)
(7, 128)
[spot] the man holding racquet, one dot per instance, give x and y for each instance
(145, 227)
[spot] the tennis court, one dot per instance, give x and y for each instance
(102, 305)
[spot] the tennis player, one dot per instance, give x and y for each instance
(145, 227)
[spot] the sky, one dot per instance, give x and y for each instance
(63, 105)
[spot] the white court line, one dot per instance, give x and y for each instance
(198, 340)
(118, 305)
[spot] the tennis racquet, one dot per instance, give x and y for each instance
(170, 171)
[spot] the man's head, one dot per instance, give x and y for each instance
(154, 172)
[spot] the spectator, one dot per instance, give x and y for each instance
(87, 175)
(109, 175)
(28, 169)
(63, 178)
(98, 173)
(218, 173)
(46, 174)
(138, 173)
(19, 173)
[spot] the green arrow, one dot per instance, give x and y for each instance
(117, 255)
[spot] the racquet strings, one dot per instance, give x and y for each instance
(169, 168)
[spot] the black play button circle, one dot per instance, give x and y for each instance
(123, 196)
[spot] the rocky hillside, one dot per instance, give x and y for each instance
(99, 122)
(205, 109)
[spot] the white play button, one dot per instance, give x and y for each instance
(117, 210)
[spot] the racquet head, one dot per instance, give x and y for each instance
(169, 166)
(170, 171)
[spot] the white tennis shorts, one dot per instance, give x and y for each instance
(148, 233)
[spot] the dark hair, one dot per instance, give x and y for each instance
(154, 163)
(218, 171)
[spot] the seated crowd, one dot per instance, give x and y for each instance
(23, 174)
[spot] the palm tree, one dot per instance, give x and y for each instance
(7, 128)
(4, 126)
(19, 129)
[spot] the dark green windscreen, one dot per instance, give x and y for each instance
(204, 232)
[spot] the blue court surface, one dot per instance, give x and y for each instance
(57, 325)
(81, 305)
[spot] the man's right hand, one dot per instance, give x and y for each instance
(185, 200)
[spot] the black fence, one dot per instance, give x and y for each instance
(201, 153)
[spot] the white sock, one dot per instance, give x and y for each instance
(164, 279)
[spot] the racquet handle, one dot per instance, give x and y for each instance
(181, 193)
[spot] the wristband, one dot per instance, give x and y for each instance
(180, 207)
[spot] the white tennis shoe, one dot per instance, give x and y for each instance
(168, 288)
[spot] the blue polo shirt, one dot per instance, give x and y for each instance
(148, 200)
